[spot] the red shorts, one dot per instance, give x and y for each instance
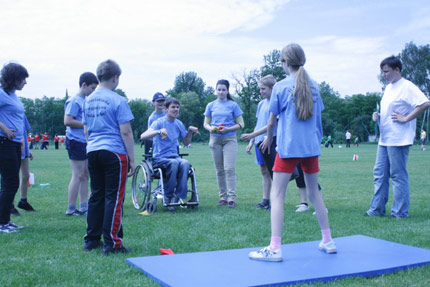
(287, 165)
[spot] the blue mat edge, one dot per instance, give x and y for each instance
(314, 280)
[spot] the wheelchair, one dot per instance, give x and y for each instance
(145, 198)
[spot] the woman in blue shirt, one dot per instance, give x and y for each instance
(297, 102)
(13, 78)
(223, 117)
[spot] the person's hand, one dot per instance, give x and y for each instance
(375, 116)
(249, 148)
(164, 134)
(9, 133)
(131, 168)
(193, 130)
(398, 117)
(31, 156)
(246, 137)
(266, 144)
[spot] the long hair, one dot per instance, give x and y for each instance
(227, 84)
(295, 57)
(11, 75)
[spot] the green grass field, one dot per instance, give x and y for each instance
(49, 251)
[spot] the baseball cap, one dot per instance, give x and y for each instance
(158, 97)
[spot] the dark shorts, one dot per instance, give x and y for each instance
(77, 150)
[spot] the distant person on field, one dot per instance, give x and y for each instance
(401, 103)
(56, 141)
(423, 137)
(348, 138)
(110, 152)
(45, 141)
(158, 102)
(166, 131)
(329, 141)
(36, 141)
(30, 140)
(356, 142)
(76, 145)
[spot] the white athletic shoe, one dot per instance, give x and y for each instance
(302, 207)
(329, 247)
(314, 213)
(266, 254)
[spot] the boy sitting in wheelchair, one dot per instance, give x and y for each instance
(165, 133)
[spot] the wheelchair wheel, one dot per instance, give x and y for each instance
(151, 206)
(141, 186)
(192, 188)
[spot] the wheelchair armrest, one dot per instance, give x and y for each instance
(183, 154)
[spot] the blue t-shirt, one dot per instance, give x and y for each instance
(26, 128)
(12, 114)
(74, 107)
(296, 138)
(223, 112)
(263, 115)
(169, 146)
(104, 111)
(154, 116)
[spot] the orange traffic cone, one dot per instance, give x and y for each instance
(355, 157)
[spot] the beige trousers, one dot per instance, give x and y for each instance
(224, 153)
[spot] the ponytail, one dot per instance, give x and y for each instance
(302, 95)
(295, 57)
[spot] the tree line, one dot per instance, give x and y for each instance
(351, 113)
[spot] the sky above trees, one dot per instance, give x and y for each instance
(154, 41)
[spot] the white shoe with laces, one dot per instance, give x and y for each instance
(265, 254)
(302, 207)
(329, 247)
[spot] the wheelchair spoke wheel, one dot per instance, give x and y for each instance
(141, 186)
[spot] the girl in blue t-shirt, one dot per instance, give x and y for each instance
(13, 78)
(297, 102)
(265, 84)
(223, 117)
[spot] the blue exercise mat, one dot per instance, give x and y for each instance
(357, 255)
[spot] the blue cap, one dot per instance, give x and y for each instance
(158, 97)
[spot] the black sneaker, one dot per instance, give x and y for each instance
(110, 250)
(14, 211)
(75, 213)
(92, 244)
(25, 205)
(262, 205)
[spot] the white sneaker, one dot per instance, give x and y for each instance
(314, 213)
(302, 207)
(329, 247)
(266, 254)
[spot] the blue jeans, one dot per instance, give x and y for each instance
(391, 163)
(176, 170)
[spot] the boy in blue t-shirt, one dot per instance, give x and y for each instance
(110, 151)
(166, 131)
(158, 102)
(76, 145)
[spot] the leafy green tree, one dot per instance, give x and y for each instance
(273, 66)
(141, 110)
